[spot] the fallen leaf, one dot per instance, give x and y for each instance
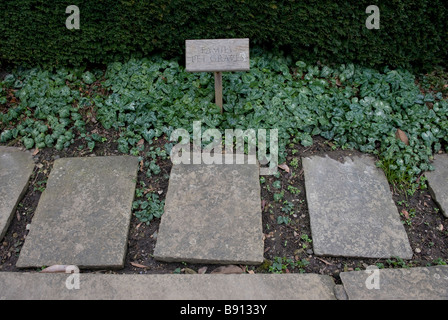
(138, 265)
(36, 151)
(230, 269)
(270, 234)
(284, 167)
(263, 204)
(405, 213)
(57, 268)
(338, 82)
(250, 271)
(402, 136)
(189, 271)
(202, 270)
(140, 142)
(440, 227)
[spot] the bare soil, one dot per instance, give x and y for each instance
(290, 240)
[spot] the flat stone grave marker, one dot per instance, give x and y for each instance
(352, 213)
(212, 215)
(421, 283)
(438, 182)
(83, 215)
(94, 286)
(16, 167)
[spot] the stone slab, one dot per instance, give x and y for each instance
(16, 167)
(422, 283)
(352, 213)
(212, 215)
(438, 182)
(83, 215)
(21, 286)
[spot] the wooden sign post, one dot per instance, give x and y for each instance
(217, 55)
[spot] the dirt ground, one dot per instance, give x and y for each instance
(286, 225)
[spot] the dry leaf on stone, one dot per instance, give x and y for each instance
(36, 151)
(230, 269)
(250, 271)
(57, 268)
(138, 265)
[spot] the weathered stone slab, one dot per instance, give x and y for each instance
(83, 215)
(16, 168)
(212, 215)
(438, 182)
(429, 283)
(19, 286)
(352, 213)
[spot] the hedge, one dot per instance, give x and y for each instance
(412, 32)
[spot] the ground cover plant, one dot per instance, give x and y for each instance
(133, 107)
(355, 107)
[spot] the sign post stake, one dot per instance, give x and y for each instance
(218, 89)
(217, 55)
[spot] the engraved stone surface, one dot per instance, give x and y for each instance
(422, 283)
(352, 213)
(438, 182)
(83, 215)
(212, 215)
(16, 167)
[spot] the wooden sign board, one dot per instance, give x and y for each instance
(217, 55)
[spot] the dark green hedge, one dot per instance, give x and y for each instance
(412, 32)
